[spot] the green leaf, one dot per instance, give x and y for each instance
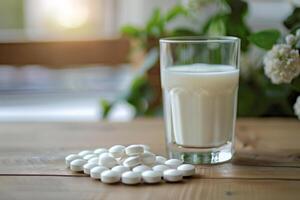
(239, 29)
(155, 25)
(137, 85)
(238, 8)
(130, 30)
(235, 21)
(216, 26)
(231, 22)
(208, 23)
(182, 31)
(296, 84)
(140, 94)
(294, 29)
(106, 107)
(265, 39)
(174, 12)
(293, 20)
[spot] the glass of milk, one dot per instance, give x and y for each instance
(199, 78)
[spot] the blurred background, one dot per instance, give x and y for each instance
(85, 60)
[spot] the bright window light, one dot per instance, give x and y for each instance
(67, 13)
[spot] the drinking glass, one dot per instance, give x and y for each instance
(199, 78)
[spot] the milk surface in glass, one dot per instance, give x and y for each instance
(202, 103)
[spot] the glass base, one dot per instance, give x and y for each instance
(212, 155)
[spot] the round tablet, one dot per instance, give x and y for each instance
(141, 168)
(131, 178)
(107, 161)
(84, 153)
(134, 150)
(160, 169)
(172, 175)
(104, 155)
(151, 176)
(132, 161)
(96, 171)
(145, 147)
(89, 156)
(110, 176)
(77, 165)
(93, 160)
(88, 166)
(100, 151)
(187, 169)
(173, 163)
(121, 159)
(117, 151)
(120, 169)
(160, 160)
(148, 158)
(70, 158)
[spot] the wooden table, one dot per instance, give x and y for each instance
(266, 165)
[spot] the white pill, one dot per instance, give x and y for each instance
(110, 176)
(107, 161)
(77, 165)
(151, 176)
(117, 151)
(100, 151)
(148, 158)
(160, 169)
(172, 175)
(84, 153)
(70, 158)
(134, 150)
(145, 147)
(89, 156)
(104, 155)
(141, 168)
(160, 160)
(187, 169)
(120, 169)
(132, 161)
(93, 160)
(88, 166)
(173, 163)
(96, 172)
(131, 178)
(121, 159)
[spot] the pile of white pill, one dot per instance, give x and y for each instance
(131, 165)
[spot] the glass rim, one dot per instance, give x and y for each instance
(200, 39)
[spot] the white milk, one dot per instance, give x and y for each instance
(202, 102)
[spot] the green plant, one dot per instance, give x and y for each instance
(257, 95)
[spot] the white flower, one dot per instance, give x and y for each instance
(290, 39)
(282, 64)
(297, 107)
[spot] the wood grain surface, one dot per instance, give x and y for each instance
(83, 188)
(266, 164)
